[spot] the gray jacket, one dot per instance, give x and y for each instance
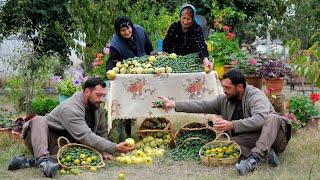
(255, 104)
(70, 116)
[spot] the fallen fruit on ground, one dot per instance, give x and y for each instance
(121, 176)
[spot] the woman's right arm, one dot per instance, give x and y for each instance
(113, 58)
(168, 40)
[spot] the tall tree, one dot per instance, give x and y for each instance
(301, 21)
(93, 21)
(38, 17)
(258, 16)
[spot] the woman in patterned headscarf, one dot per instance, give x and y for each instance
(186, 36)
(129, 40)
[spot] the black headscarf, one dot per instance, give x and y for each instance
(122, 21)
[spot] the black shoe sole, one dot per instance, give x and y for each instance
(53, 171)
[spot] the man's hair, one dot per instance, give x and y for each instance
(236, 77)
(93, 82)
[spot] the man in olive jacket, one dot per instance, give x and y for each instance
(248, 116)
(80, 118)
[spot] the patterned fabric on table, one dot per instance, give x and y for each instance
(131, 95)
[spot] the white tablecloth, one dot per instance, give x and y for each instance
(131, 95)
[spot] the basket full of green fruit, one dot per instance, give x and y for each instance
(220, 152)
(73, 155)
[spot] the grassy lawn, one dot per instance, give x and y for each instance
(301, 160)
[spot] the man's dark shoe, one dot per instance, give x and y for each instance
(49, 168)
(248, 165)
(20, 162)
(272, 158)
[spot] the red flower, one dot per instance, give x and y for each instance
(314, 97)
(230, 36)
(253, 62)
(106, 49)
(226, 28)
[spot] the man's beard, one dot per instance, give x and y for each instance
(233, 98)
(93, 106)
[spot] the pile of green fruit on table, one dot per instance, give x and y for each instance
(161, 63)
(182, 64)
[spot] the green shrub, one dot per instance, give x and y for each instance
(302, 108)
(43, 105)
(68, 86)
(14, 87)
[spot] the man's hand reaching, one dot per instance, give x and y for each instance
(124, 147)
(167, 103)
(222, 125)
(107, 156)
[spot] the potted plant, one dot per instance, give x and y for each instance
(306, 62)
(5, 126)
(315, 98)
(67, 87)
(5, 121)
(274, 72)
(18, 126)
(249, 65)
(295, 123)
(302, 108)
(277, 100)
(225, 48)
(43, 105)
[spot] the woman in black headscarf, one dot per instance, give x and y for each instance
(129, 40)
(186, 36)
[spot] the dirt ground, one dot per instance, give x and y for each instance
(162, 169)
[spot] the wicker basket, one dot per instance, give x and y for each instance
(191, 139)
(16, 136)
(5, 131)
(194, 126)
(212, 161)
(155, 125)
(192, 148)
(70, 145)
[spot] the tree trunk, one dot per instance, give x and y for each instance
(302, 85)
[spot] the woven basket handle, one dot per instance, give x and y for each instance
(62, 138)
(167, 127)
(220, 134)
(101, 164)
(188, 139)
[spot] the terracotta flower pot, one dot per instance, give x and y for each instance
(16, 136)
(254, 81)
(275, 85)
(5, 131)
(313, 122)
(228, 67)
(63, 98)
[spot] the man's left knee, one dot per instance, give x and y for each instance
(274, 118)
